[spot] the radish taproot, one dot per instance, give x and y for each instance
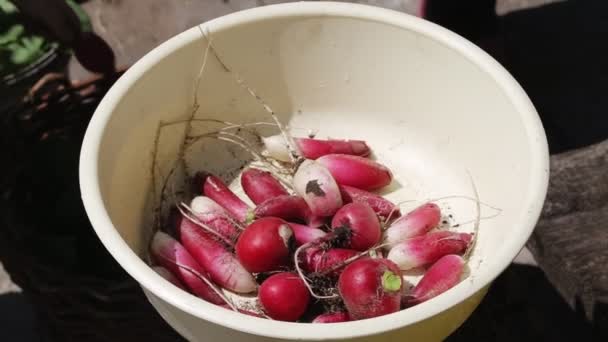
(290, 208)
(355, 171)
(320, 260)
(426, 249)
(215, 217)
(383, 207)
(370, 288)
(315, 184)
(284, 296)
(276, 147)
(417, 222)
(305, 234)
(332, 317)
(170, 254)
(357, 224)
(261, 185)
(265, 245)
(215, 189)
(440, 277)
(223, 267)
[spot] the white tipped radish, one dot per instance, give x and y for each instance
(276, 147)
(426, 249)
(355, 171)
(313, 182)
(174, 257)
(440, 277)
(215, 189)
(417, 222)
(261, 185)
(215, 217)
(222, 266)
(383, 207)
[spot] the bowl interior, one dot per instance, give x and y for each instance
(434, 109)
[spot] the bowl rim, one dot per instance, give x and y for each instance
(150, 280)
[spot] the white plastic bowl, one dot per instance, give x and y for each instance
(432, 105)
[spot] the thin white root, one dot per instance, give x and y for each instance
(207, 281)
(477, 221)
(295, 154)
(296, 262)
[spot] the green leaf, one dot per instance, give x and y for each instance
(7, 7)
(391, 282)
(12, 34)
(85, 21)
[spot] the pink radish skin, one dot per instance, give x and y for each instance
(264, 246)
(170, 254)
(314, 148)
(381, 206)
(332, 317)
(222, 266)
(315, 184)
(288, 208)
(355, 171)
(361, 225)
(417, 222)
(215, 189)
(305, 234)
(320, 260)
(370, 288)
(261, 185)
(426, 249)
(214, 216)
(165, 273)
(284, 297)
(441, 276)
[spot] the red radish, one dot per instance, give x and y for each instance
(264, 245)
(355, 171)
(165, 273)
(371, 288)
(360, 224)
(417, 222)
(426, 249)
(284, 296)
(215, 189)
(215, 217)
(222, 266)
(288, 208)
(440, 277)
(320, 260)
(260, 185)
(379, 204)
(305, 234)
(316, 185)
(332, 317)
(174, 257)
(314, 148)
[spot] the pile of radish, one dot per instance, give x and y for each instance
(323, 247)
